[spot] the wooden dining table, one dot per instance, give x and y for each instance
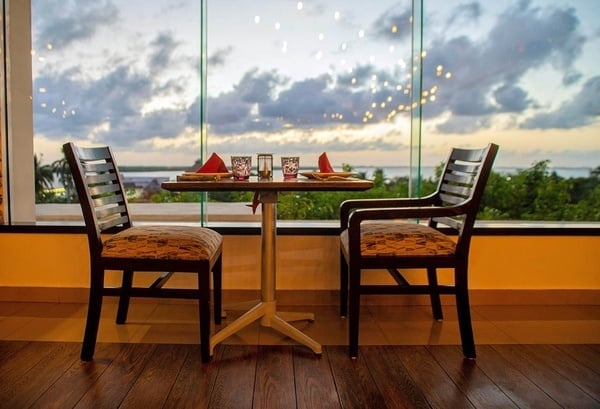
(266, 194)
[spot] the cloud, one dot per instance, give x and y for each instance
(257, 87)
(219, 57)
(72, 20)
(267, 101)
(472, 80)
(394, 25)
(582, 110)
(511, 98)
(458, 124)
(485, 75)
(110, 109)
(464, 14)
(310, 142)
(162, 49)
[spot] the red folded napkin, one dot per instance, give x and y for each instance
(214, 164)
(324, 165)
(255, 202)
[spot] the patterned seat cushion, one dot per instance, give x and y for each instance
(389, 239)
(163, 242)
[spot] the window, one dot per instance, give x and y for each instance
(117, 73)
(525, 75)
(306, 77)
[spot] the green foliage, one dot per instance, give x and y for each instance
(164, 196)
(43, 179)
(535, 193)
(538, 194)
(530, 194)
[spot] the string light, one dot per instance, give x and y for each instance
(427, 95)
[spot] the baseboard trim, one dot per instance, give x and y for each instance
(330, 297)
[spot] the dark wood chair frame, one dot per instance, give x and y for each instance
(102, 196)
(454, 206)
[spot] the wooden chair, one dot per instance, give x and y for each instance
(162, 248)
(374, 237)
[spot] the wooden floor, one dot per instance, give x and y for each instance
(539, 357)
(50, 375)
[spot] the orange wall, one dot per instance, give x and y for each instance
(311, 262)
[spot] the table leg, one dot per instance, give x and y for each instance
(266, 310)
(246, 319)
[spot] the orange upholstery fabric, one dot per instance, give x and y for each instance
(163, 242)
(401, 239)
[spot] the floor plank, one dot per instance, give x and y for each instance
(356, 386)
(114, 384)
(518, 387)
(481, 391)
(393, 380)
(586, 379)
(195, 382)
(438, 388)
(237, 367)
(585, 355)
(315, 387)
(75, 382)
(559, 388)
(274, 385)
(29, 387)
(9, 348)
(154, 383)
(15, 368)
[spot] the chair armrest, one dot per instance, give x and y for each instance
(389, 213)
(360, 215)
(349, 206)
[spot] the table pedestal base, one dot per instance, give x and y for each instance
(269, 317)
(266, 309)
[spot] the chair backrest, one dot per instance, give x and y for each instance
(462, 184)
(100, 190)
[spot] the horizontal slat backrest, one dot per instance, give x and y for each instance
(459, 182)
(100, 189)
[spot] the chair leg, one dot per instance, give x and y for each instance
(93, 315)
(125, 296)
(217, 290)
(343, 286)
(354, 313)
(464, 313)
(434, 295)
(204, 314)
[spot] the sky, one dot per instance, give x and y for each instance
(290, 77)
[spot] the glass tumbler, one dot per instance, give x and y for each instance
(290, 166)
(241, 166)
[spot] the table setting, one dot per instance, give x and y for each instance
(215, 169)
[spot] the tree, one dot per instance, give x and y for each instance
(44, 180)
(63, 173)
(534, 193)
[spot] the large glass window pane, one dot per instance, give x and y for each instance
(123, 73)
(523, 74)
(310, 77)
(303, 78)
